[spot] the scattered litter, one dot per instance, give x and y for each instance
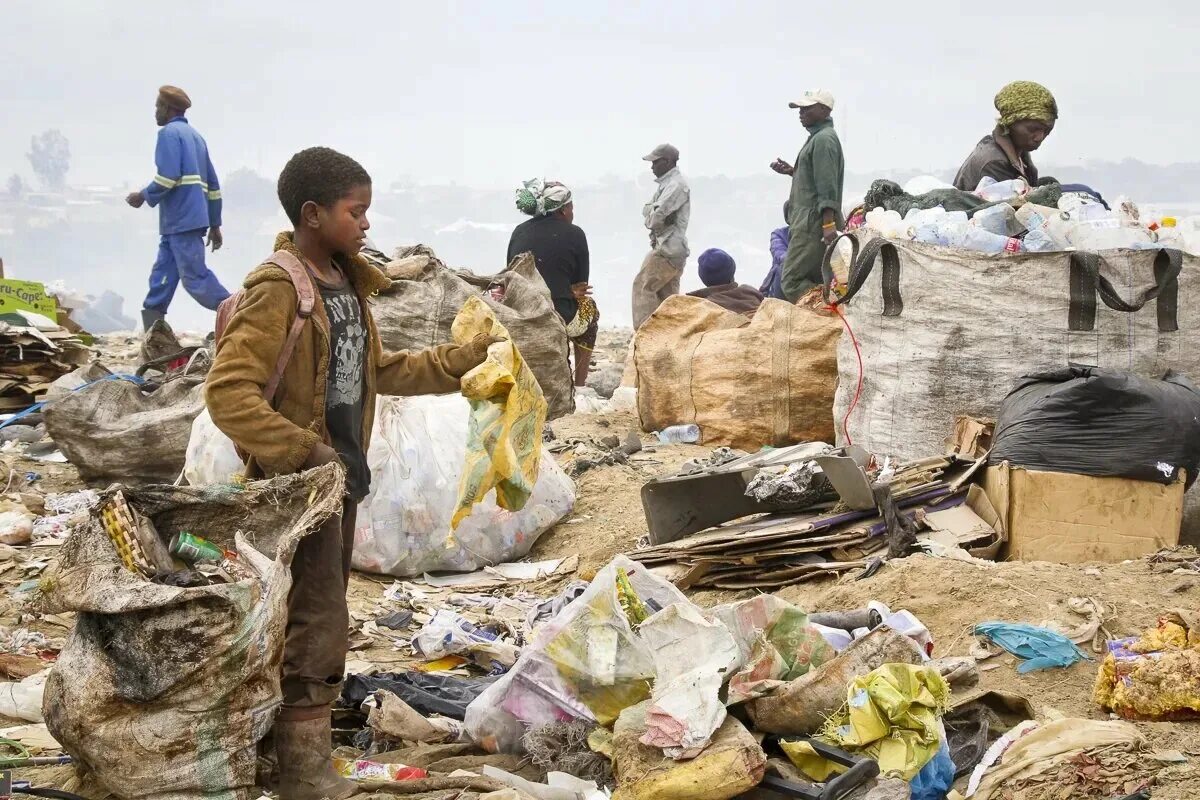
(692, 658)
(1155, 675)
(1040, 648)
(799, 483)
(890, 715)
(36, 738)
(394, 719)
(500, 574)
(802, 706)
(366, 770)
(1033, 748)
(23, 699)
(450, 634)
(444, 695)
(16, 525)
(566, 747)
(732, 763)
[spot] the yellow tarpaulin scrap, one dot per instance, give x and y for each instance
(891, 715)
(508, 412)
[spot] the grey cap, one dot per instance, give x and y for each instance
(667, 151)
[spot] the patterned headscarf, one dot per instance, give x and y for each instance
(1026, 100)
(539, 198)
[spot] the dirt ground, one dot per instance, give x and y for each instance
(950, 597)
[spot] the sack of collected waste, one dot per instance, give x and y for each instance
(588, 662)
(945, 332)
(419, 309)
(417, 454)
(163, 691)
(745, 382)
(1108, 423)
(117, 431)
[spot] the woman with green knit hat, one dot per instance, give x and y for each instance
(1027, 116)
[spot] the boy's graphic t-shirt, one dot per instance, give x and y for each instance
(347, 384)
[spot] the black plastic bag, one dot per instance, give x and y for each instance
(446, 695)
(1092, 421)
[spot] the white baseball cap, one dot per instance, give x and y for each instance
(812, 97)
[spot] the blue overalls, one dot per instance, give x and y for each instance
(188, 194)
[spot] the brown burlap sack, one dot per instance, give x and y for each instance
(115, 431)
(769, 380)
(163, 692)
(418, 310)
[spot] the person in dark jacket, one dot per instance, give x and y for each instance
(717, 270)
(1027, 115)
(560, 250)
(772, 285)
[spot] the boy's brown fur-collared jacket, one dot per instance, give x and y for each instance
(278, 437)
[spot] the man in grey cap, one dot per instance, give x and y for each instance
(815, 206)
(666, 217)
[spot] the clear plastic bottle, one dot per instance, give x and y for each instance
(679, 434)
(1050, 221)
(1006, 191)
(946, 231)
(1082, 206)
(987, 242)
(1038, 241)
(1000, 219)
(888, 224)
(1109, 234)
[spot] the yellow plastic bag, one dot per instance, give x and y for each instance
(508, 412)
(891, 715)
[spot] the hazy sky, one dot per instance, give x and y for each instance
(487, 93)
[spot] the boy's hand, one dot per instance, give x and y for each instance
(477, 350)
(320, 455)
(215, 239)
(135, 199)
(580, 290)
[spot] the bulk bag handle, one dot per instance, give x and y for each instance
(862, 261)
(1087, 283)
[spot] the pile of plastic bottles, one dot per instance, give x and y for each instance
(1080, 222)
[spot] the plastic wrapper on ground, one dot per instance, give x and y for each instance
(588, 662)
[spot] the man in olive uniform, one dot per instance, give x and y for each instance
(816, 199)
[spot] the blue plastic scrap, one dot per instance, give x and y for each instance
(936, 777)
(1040, 647)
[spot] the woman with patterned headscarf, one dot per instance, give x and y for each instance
(560, 249)
(1027, 115)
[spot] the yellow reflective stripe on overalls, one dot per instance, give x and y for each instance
(166, 183)
(214, 195)
(193, 180)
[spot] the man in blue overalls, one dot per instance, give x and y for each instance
(186, 186)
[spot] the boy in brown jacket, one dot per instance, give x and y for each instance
(321, 411)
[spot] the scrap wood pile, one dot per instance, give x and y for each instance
(927, 502)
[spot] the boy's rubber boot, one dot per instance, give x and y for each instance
(305, 770)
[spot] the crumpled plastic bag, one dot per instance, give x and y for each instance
(588, 662)
(508, 412)
(1040, 647)
(892, 715)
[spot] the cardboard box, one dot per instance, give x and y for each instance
(1071, 519)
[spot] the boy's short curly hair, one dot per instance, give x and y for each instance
(320, 174)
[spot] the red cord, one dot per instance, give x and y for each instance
(858, 390)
